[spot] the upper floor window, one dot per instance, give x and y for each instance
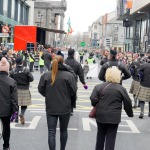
(39, 14)
(95, 26)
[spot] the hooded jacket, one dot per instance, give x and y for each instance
(109, 102)
(8, 95)
(58, 97)
(114, 62)
(76, 66)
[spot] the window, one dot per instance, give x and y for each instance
(39, 14)
(95, 26)
(5, 7)
(95, 36)
(13, 9)
(38, 24)
(116, 28)
(115, 39)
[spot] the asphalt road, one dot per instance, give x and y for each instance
(133, 133)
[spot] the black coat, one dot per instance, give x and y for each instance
(76, 66)
(109, 103)
(145, 68)
(58, 98)
(22, 76)
(114, 62)
(103, 61)
(135, 65)
(47, 57)
(8, 95)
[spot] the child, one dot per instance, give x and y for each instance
(85, 69)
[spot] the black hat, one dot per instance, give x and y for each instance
(4, 52)
(19, 60)
(113, 52)
(60, 53)
(71, 52)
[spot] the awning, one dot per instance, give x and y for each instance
(52, 30)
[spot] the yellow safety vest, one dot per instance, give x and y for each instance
(41, 62)
(30, 59)
(90, 61)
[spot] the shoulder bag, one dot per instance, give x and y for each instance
(92, 113)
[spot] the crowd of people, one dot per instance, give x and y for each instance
(16, 74)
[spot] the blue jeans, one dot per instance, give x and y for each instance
(52, 124)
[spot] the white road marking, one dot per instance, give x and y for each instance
(32, 126)
(87, 122)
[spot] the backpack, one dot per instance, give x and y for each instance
(118, 65)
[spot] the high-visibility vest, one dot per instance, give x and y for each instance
(81, 53)
(30, 59)
(90, 60)
(41, 62)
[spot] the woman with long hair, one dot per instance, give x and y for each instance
(57, 86)
(108, 98)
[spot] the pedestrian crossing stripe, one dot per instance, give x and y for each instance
(83, 96)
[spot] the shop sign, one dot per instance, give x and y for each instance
(4, 34)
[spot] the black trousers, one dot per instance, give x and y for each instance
(52, 124)
(31, 66)
(6, 131)
(106, 134)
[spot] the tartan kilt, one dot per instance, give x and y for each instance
(24, 97)
(134, 87)
(144, 94)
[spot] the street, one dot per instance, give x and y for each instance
(133, 133)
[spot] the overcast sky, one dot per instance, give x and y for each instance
(82, 13)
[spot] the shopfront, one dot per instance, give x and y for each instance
(12, 12)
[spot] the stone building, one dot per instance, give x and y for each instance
(50, 14)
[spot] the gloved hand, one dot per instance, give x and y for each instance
(14, 116)
(85, 87)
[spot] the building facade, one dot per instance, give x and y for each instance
(12, 12)
(112, 32)
(50, 14)
(136, 20)
(95, 34)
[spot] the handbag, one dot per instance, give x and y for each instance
(1, 129)
(92, 113)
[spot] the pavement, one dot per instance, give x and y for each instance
(133, 133)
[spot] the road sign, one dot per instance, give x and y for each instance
(82, 44)
(5, 29)
(4, 34)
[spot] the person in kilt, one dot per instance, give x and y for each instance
(135, 65)
(144, 89)
(23, 77)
